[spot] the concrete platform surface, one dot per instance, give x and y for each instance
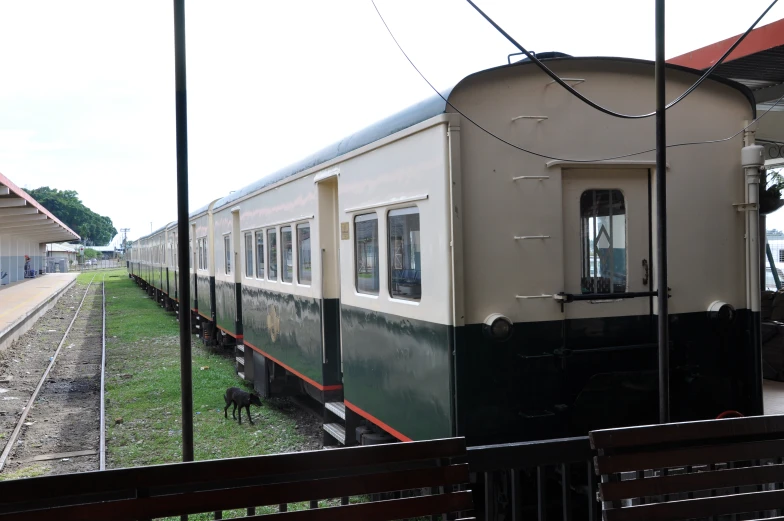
(773, 397)
(21, 303)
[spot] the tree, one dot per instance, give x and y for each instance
(90, 253)
(66, 206)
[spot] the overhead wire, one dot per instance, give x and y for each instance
(600, 108)
(545, 156)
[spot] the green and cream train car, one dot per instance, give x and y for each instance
(423, 279)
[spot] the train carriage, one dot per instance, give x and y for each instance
(423, 278)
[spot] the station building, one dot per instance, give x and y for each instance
(25, 229)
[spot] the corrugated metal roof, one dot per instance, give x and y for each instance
(51, 228)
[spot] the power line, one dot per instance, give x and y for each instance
(545, 156)
(598, 107)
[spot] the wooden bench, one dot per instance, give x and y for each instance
(246, 483)
(701, 469)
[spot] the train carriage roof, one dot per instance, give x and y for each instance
(418, 113)
(408, 117)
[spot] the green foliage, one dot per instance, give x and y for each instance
(66, 206)
(90, 253)
(770, 193)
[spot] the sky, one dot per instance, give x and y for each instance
(87, 90)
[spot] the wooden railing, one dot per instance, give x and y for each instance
(381, 482)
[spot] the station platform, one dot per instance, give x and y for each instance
(773, 397)
(23, 302)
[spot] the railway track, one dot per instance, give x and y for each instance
(62, 423)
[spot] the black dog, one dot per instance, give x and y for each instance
(240, 399)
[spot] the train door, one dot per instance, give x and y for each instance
(239, 269)
(607, 243)
(329, 238)
(608, 353)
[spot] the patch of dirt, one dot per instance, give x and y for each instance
(308, 422)
(66, 415)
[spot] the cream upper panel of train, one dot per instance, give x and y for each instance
(534, 226)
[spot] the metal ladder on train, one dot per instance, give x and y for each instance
(334, 425)
(239, 357)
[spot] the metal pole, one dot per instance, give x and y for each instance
(661, 221)
(182, 232)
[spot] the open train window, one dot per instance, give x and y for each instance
(249, 255)
(227, 252)
(405, 254)
(304, 274)
(272, 248)
(603, 241)
(259, 255)
(366, 250)
(287, 258)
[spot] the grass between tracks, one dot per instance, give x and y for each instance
(143, 407)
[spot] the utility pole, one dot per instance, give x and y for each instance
(186, 376)
(661, 221)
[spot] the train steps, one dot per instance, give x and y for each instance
(239, 358)
(334, 423)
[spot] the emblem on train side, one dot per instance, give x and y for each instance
(273, 323)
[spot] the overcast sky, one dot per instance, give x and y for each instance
(87, 90)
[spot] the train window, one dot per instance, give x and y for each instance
(405, 257)
(272, 249)
(248, 255)
(259, 255)
(201, 253)
(287, 260)
(227, 251)
(304, 274)
(206, 254)
(366, 251)
(603, 241)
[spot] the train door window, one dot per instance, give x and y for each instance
(603, 241)
(249, 255)
(304, 273)
(259, 255)
(227, 251)
(366, 270)
(405, 254)
(272, 249)
(200, 243)
(206, 254)
(288, 254)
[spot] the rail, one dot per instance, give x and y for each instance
(102, 447)
(511, 472)
(10, 444)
